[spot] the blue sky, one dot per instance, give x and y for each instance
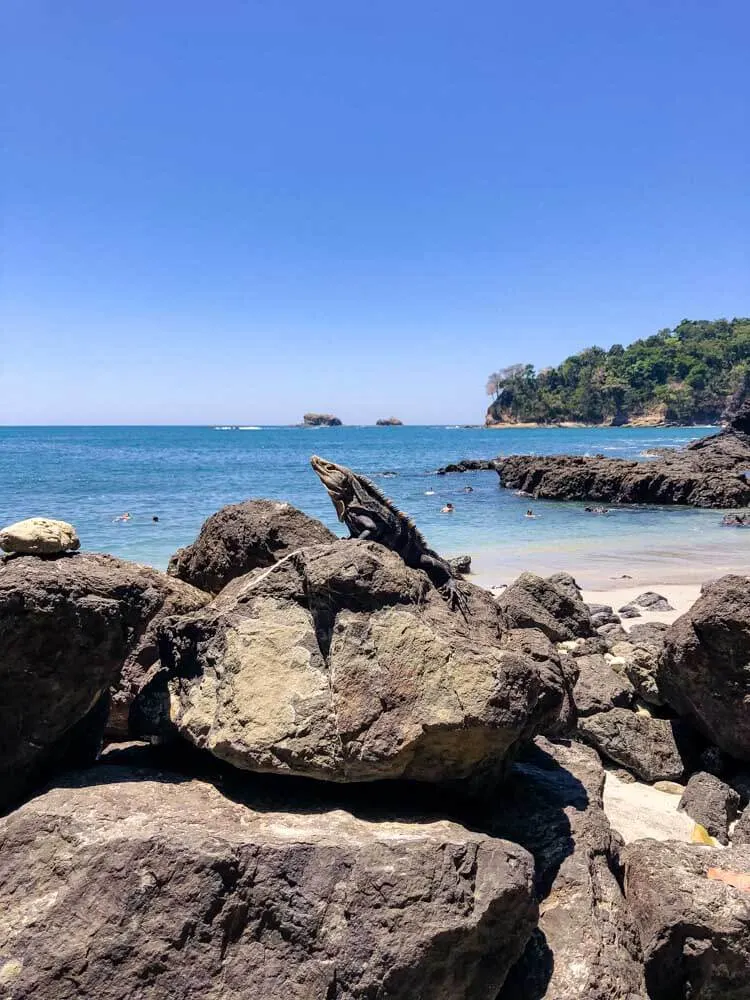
(239, 211)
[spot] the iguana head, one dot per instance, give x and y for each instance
(338, 480)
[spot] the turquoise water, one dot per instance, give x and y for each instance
(89, 475)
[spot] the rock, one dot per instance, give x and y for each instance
(704, 671)
(69, 626)
(613, 633)
(533, 602)
(469, 465)
(646, 746)
(389, 422)
(320, 420)
(243, 537)
(586, 944)
(670, 787)
(640, 661)
(629, 611)
(39, 536)
(344, 664)
(711, 803)
(567, 584)
(604, 618)
(460, 565)
(599, 688)
(652, 601)
(675, 478)
(131, 883)
(694, 927)
(741, 832)
(590, 646)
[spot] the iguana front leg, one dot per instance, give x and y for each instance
(364, 527)
(442, 578)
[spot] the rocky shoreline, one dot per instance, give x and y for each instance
(341, 788)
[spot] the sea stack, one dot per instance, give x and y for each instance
(389, 422)
(321, 420)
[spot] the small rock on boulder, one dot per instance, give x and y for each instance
(243, 537)
(694, 923)
(139, 883)
(704, 671)
(39, 536)
(711, 803)
(599, 688)
(741, 832)
(344, 664)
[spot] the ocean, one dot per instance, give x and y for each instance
(90, 475)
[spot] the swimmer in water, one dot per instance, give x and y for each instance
(468, 489)
(448, 509)
(429, 493)
(123, 517)
(529, 513)
(154, 518)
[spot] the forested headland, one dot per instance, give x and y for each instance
(693, 374)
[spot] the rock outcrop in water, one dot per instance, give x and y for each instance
(389, 422)
(711, 472)
(320, 420)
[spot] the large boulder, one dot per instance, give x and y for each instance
(553, 606)
(342, 663)
(586, 946)
(649, 747)
(712, 803)
(39, 536)
(704, 671)
(130, 883)
(693, 918)
(242, 537)
(68, 627)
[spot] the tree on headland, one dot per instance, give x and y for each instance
(684, 375)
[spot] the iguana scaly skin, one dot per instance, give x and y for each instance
(368, 514)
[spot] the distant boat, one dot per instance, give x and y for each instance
(249, 428)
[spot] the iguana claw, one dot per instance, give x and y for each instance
(456, 600)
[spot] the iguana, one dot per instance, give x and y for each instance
(368, 514)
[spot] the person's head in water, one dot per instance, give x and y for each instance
(448, 509)
(154, 518)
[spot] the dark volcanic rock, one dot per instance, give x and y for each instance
(243, 537)
(599, 688)
(694, 926)
(68, 626)
(629, 611)
(389, 422)
(638, 658)
(343, 664)
(460, 564)
(741, 832)
(533, 602)
(586, 946)
(683, 479)
(652, 601)
(704, 671)
(143, 884)
(711, 803)
(646, 746)
(470, 465)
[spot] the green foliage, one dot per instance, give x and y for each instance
(687, 374)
